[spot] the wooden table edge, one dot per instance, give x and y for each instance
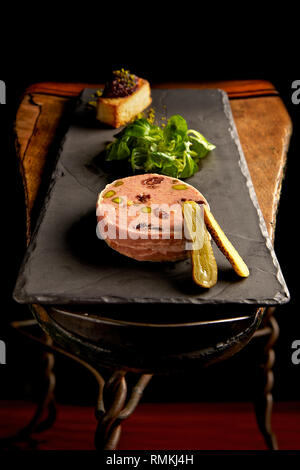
(234, 88)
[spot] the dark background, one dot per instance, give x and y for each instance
(158, 55)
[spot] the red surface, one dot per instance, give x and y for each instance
(203, 426)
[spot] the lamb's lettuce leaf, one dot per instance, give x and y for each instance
(173, 150)
(199, 145)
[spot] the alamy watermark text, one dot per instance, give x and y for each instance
(2, 352)
(2, 92)
(296, 93)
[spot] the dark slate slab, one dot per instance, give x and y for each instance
(67, 264)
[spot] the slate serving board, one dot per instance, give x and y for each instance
(67, 264)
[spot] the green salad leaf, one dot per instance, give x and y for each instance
(173, 150)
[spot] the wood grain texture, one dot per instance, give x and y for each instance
(262, 122)
(36, 127)
(264, 128)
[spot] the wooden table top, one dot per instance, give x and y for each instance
(262, 121)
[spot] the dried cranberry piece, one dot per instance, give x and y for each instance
(153, 181)
(143, 197)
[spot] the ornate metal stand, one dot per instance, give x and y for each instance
(110, 417)
(113, 403)
(264, 399)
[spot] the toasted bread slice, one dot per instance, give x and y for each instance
(119, 111)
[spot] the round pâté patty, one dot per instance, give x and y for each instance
(141, 216)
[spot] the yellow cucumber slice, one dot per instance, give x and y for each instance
(205, 270)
